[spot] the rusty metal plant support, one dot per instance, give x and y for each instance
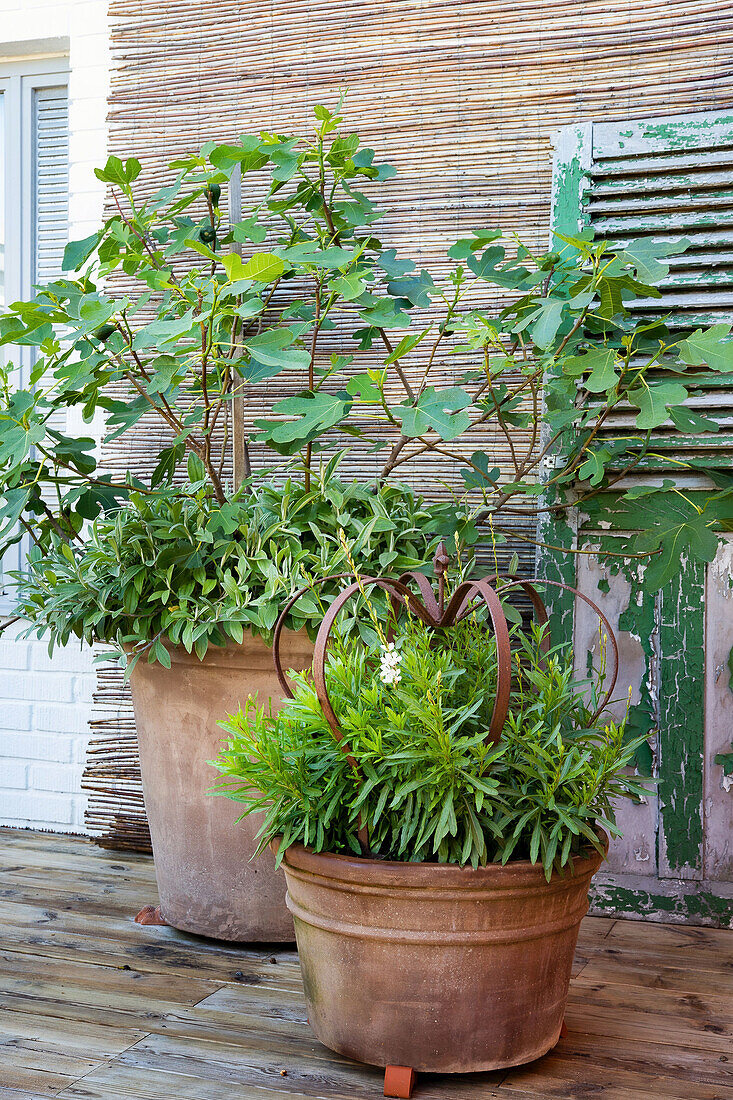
(425, 966)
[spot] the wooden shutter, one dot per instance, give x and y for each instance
(666, 178)
(662, 178)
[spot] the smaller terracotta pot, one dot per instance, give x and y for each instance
(443, 968)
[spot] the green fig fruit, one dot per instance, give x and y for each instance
(104, 332)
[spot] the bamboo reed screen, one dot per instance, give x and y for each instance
(462, 97)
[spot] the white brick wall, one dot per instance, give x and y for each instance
(45, 704)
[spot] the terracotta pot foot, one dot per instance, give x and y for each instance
(399, 1081)
(150, 914)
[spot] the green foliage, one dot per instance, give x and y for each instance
(203, 322)
(187, 571)
(669, 524)
(429, 787)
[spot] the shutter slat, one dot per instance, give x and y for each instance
(633, 183)
(609, 169)
(668, 179)
(702, 200)
(50, 192)
(666, 137)
(636, 224)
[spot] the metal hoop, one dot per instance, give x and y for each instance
(539, 605)
(428, 610)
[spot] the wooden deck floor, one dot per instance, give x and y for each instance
(95, 1007)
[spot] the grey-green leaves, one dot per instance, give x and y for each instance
(175, 567)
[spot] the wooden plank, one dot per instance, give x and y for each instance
(700, 948)
(132, 1083)
(98, 1041)
(323, 1075)
(591, 1079)
(685, 1063)
(718, 787)
(654, 1015)
(640, 137)
(648, 200)
(640, 183)
(664, 975)
(88, 894)
(630, 612)
(31, 840)
(559, 531)
(34, 1081)
(17, 971)
(145, 948)
(16, 1094)
(682, 723)
(77, 860)
(686, 222)
(668, 901)
(42, 1058)
(95, 994)
(619, 170)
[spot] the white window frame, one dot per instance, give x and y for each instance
(19, 80)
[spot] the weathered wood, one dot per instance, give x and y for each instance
(618, 969)
(661, 1015)
(649, 1011)
(706, 948)
(668, 1060)
(682, 723)
(16, 1094)
(97, 1041)
(718, 787)
(39, 1082)
(622, 601)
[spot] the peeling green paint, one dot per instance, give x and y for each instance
(669, 626)
(555, 530)
(570, 182)
(700, 907)
(640, 620)
(676, 134)
(682, 718)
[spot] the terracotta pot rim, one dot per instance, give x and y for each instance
(358, 869)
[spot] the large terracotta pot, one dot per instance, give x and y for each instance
(206, 883)
(441, 968)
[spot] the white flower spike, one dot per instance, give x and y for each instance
(389, 665)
